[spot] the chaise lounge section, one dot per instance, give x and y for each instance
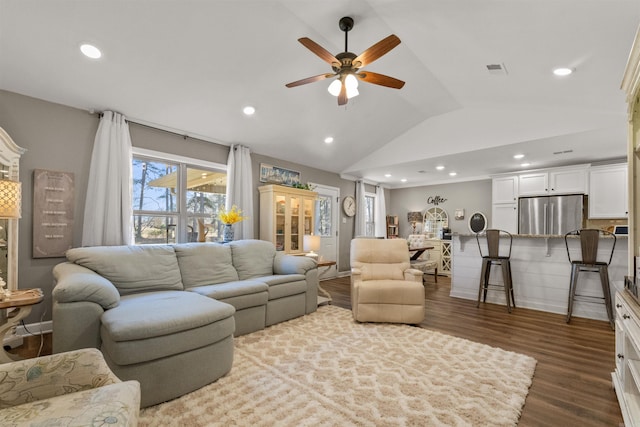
(165, 315)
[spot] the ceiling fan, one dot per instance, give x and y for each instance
(347, 65)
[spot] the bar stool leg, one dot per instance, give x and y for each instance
(604, 280)
(575, 269)
(483, 280)
(506, 281)
(513, 298)
(487, 275)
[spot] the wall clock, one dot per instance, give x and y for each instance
(349, 206)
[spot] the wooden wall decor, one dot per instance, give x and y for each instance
(53, 203)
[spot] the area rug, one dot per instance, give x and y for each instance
(324, 369)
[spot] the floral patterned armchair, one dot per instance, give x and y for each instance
(423, 263)
(72, 388)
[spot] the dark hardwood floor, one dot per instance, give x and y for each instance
(572, 382)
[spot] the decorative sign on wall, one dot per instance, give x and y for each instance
(53, 202)
(436, 200)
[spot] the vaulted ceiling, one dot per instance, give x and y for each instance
(192, 65)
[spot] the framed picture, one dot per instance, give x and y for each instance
(276, 175)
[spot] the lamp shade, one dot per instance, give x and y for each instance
(311, 243)
(414, 217)
(10, 198)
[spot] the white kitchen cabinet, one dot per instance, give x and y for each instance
(533, 184)
(626, 377)
(608, 196)
(554, 181)
(504, 203)
(504, 189)
(504, 216)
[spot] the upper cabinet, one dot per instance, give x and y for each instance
(505, 189)
(608, 197)
(554, 181)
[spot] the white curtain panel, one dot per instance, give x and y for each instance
(361, 225)
(107, 212)
(380, 213)
(239, 189)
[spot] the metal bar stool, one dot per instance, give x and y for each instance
(493, 257)
(589, 239)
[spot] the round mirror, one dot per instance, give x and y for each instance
(477, 222)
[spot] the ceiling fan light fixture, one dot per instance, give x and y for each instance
(351, 83)
(334, 87)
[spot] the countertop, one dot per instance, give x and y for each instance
(538, 236)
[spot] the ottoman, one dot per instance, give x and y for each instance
(183, 344)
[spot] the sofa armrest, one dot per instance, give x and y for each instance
(75, 283)
(413, 275)
(291, 264)
(53, 375)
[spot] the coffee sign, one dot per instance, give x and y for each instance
(436, 200)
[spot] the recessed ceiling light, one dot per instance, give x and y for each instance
(453, 173)
(524, 165)
(90, 51)
(403, 180)
(249, 110)
(387, 175)
(328, 140)
(518, 156)
(439, 167)
(562, 71)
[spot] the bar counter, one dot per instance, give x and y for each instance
(540, 273)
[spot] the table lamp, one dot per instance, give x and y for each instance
(311, 244)
(413, 218)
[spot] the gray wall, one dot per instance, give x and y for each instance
(61, 138)
(470, 196)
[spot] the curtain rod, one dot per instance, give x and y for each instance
(154, 126)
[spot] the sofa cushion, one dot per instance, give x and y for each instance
(253, 258)
(241, 294)
(159, 324)
(205, 264)
(231, 289)
(132, 268)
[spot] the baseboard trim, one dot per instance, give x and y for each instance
(35, 328)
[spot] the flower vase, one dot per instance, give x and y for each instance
(227, 233)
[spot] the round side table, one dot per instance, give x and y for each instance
(21, 302)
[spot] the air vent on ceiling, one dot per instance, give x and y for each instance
(563, 152)
(499, 69)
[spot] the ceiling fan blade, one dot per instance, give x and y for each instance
(309, 80)
(376, 51)
(342, 97)
(380, 79)
(324, 54)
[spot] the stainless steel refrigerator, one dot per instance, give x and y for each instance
(550, 214)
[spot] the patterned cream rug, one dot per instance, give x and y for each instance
(326, 370)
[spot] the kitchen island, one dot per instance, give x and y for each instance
(540, 273)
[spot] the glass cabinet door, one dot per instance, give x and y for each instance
(280, 222)
(294, 232)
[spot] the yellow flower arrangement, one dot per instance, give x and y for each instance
(231, 216)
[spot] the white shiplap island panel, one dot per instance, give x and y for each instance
(541, 273)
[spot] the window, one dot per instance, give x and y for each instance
(171, 195)
(369, 216)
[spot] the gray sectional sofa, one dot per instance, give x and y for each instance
(165, 315)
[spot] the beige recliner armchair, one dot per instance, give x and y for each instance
(384, 288)
(75, 388)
